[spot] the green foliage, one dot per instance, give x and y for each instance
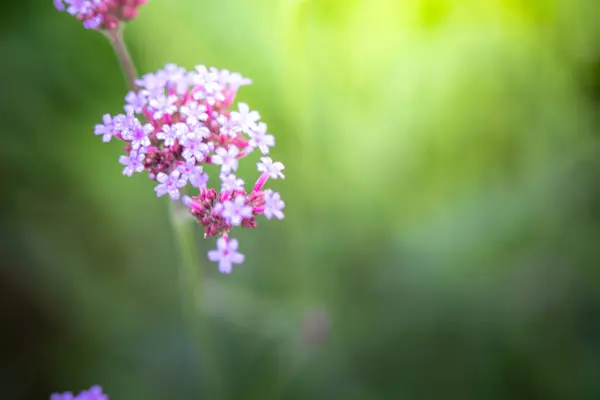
(441, 192)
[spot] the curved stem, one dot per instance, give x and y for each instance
(115, 37)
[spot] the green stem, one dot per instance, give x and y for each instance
(189, 273)
(190, 276)
(192, 288)
(115, 37)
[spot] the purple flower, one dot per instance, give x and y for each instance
(125, 122)
(163, 105)
(201, 131)
(210, 90)
(174, 77)
(106, 128)
(246, 118)
(272, 168)
(194, 174)
(198, 179)
(226, 254)
(94, 22)
(231, 182)
(135, 102)
(79, 6)
(232, 79)
(259, 138)
(139, 136)
(235, 211)
(228, 126)
(153, 85)
(273, 205)
(188, 122)
(60, 6)
(62, 396)
(94, 393)
(134, 162)
(169, 134)
(194, 148)
(227, 159)
(194, 112)
(169, 184)
(182, 129)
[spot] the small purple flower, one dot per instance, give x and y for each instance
(197, 178)
(173, 74)
(194, 113)
(78, 6)
(182, 129)
(134, 162)
(125, 122)
(94, 393)
(233, 80)
(231, 182)
(176, 78)
(273, 205)
(211, 91)
(62, 396)
(153, 85)
(106, 128)
(272, 168)
(60, 6)
(195, 149)
(227, 159)
(139, 136)
(94, 22)
(169, 134)
(135, 102)
(201, 131)
(163, 105)
(259, 138)
(228, 126)
(169, 184)
(246, 118)
(200, 75)
(186, 200)
(194, 174)
(226, 254)
(237, 210)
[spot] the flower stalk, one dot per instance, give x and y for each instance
(190, 273)
(176, 122)
(115, 37)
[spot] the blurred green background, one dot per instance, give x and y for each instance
(442, 230)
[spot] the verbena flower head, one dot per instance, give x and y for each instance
(94, 393)
(100, 14)
(179, 121)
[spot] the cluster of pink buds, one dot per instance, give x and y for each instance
(101, 14)
(179, 120)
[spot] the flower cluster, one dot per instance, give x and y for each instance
(179, 120)
(101, 14)
(94, 393)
